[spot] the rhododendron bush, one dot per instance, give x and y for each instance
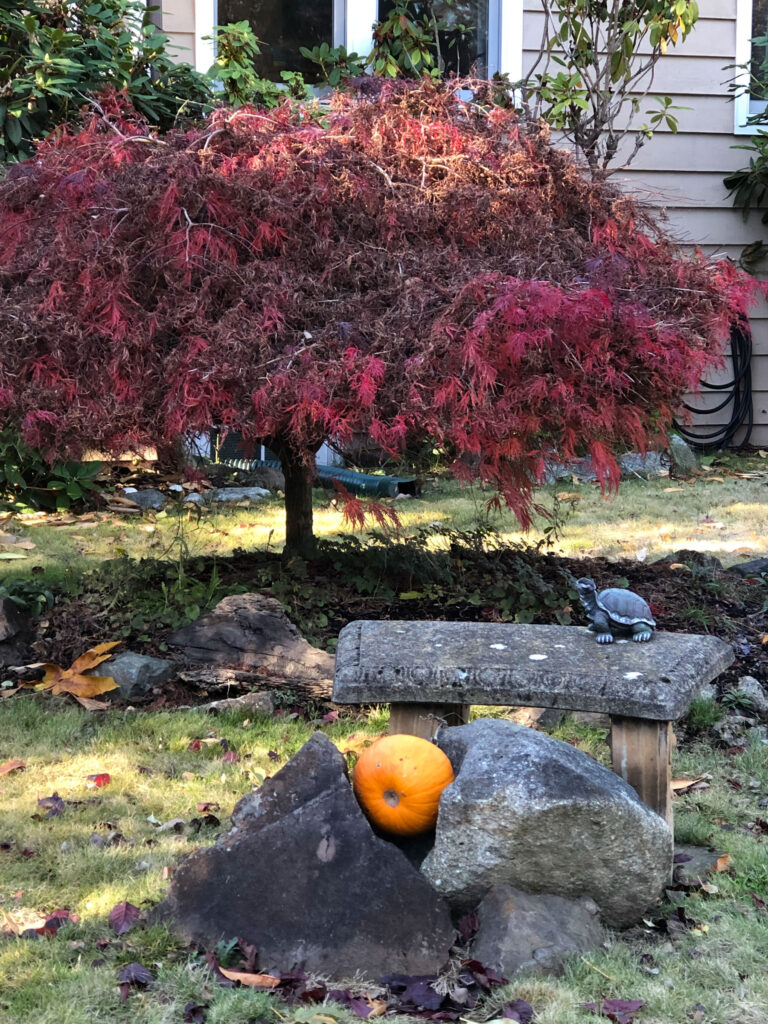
(407, 265)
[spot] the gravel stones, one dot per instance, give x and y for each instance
(529, 811)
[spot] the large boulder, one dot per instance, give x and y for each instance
(251, 631)
(530, 811)
(306, 881)
(521, 932)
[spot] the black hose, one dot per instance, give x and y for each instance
(738, 393)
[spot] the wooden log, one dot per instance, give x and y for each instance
(641, 754)
(425, 719)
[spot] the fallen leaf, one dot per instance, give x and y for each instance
(133, 976)
(251, 980)
(54, 805)
(55, 921)
(668, 490)
(12, 766)
(123, 917)
(91, 705)
(99, 780)
(332, 716)
(680, 565)
(568, 496)
(621, 1011)
(71, 680)
(680, 786)
(207, 806)
(194, 745)
(9, 693)
(230, 757)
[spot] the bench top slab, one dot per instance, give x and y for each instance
(511, 664)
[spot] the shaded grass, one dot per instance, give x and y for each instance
(719, 965)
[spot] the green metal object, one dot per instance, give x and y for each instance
(357, 483)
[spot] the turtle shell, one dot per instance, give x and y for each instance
(624, 607)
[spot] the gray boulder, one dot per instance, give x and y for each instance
(137, 675)
(307, 882)
(755, 567)
(530, 811)
(232, 494)
(148, 497)
(251, 631)
(681, 456)
(754, 692)
(521, 932)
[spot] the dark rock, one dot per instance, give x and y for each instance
(529, 811)
(754, 692)
(694, 864)
(148, 497)
(538, 718)
(307, 882)
(258, 703)
(523, 932)
(755, 567)
(233, 494)
(316, 769)
(652, 464)
(137, 675)
(683, 461)
(251, 631)
(11, 619)
(686, 556)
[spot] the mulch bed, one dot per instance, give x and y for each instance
(692, 600)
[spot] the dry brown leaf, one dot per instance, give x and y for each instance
(568, 496)
(716, 480)
(119, 499)
(9, 693)
(12, 766)
(71, 680)
(668, 490)
(680, 565)
(251, 980)
(687, 785)
(378, 1007)
(91, 705)
(764, 638)
(722, 863)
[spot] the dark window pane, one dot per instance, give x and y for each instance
(283, 27)
(463, 32)
(759, 52)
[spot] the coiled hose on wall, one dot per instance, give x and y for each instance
(738, 393)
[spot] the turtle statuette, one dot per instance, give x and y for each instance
(615, 612)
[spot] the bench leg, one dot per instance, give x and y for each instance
(425, 719)
(641, 754)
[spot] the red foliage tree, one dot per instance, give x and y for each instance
(407, 264)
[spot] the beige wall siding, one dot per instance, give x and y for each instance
(682, 174)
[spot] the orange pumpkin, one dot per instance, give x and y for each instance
(398, 781)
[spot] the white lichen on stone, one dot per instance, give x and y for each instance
(632, 675)
(498, 647)
(537, 657)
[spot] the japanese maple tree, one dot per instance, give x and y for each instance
(408, 264)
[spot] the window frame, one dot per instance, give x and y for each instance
(744, 106)
(352, 20)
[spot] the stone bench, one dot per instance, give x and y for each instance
(431, 672)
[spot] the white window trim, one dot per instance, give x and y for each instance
(743, 105)
(353, 19)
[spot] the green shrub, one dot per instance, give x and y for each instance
(27, 479)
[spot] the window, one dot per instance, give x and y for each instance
(463, 32)
(751, 23)
(487, 33)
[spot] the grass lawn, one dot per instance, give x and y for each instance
(718, 962)
(108, 845)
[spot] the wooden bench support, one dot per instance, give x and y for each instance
(641, 754)
(425, 719)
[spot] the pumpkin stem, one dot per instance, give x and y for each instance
(391, 797)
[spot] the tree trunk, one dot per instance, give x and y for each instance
(299, 538)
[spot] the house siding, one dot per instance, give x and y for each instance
(680, 174)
